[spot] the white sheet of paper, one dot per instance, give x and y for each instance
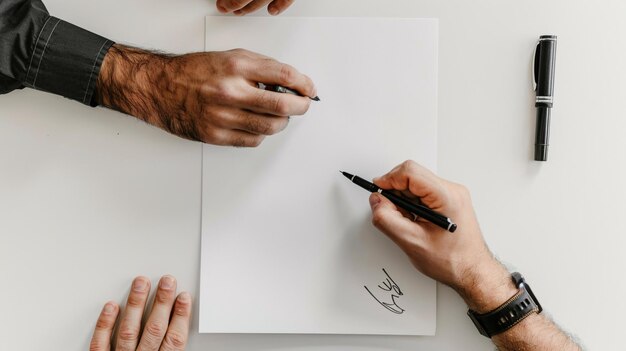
(287, 241)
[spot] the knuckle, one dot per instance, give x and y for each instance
(164, 297)
(224, 92)
(155, 329)
(464, 191)
(182, 309)
(212, 136)
(264, 99)
(409, 165)
(135, 300)
(281, 107)
(287, 75)
(233, 63)
(378, 219)
(212, 116)
(273, 103)
(174, 340)
(128, 333)
(104, 324)
(96, 346)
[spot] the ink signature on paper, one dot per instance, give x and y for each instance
(390, 292)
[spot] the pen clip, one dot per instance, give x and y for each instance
(535, 63)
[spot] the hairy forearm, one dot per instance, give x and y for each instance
(486, 286)
(536, 332)
(139, 83)
(490, 285)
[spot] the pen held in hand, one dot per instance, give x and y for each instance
(284, 90)
(418, 210)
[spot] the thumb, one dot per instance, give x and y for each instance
(389, 220)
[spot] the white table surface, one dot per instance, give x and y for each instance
(90, 198)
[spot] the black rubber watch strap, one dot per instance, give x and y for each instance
(510, 313)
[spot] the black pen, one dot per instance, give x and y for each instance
(284, 90)
(417, 209)
(543, 75)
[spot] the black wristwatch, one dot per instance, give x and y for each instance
(513, 311)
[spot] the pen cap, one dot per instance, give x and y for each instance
(545, 58)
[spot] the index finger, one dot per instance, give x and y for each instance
(271, 72)
(418, 180)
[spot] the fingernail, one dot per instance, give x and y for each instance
(273, 10)
(139, 285)
(238, 12)
(184, 297)
(374, 200)
(167, 283)
(109, 308)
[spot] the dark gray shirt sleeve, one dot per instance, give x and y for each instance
(46, 53)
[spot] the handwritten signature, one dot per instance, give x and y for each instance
(389, 286)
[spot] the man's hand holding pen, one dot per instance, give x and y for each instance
(459, 260)
(211, 97)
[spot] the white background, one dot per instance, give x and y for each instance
(91, 198)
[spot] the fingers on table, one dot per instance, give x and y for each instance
(130, 325)
(101, 340)
(178, 330)
(156, 325)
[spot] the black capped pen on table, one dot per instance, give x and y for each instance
(543, 79)
(284, 90)
(406, 204)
